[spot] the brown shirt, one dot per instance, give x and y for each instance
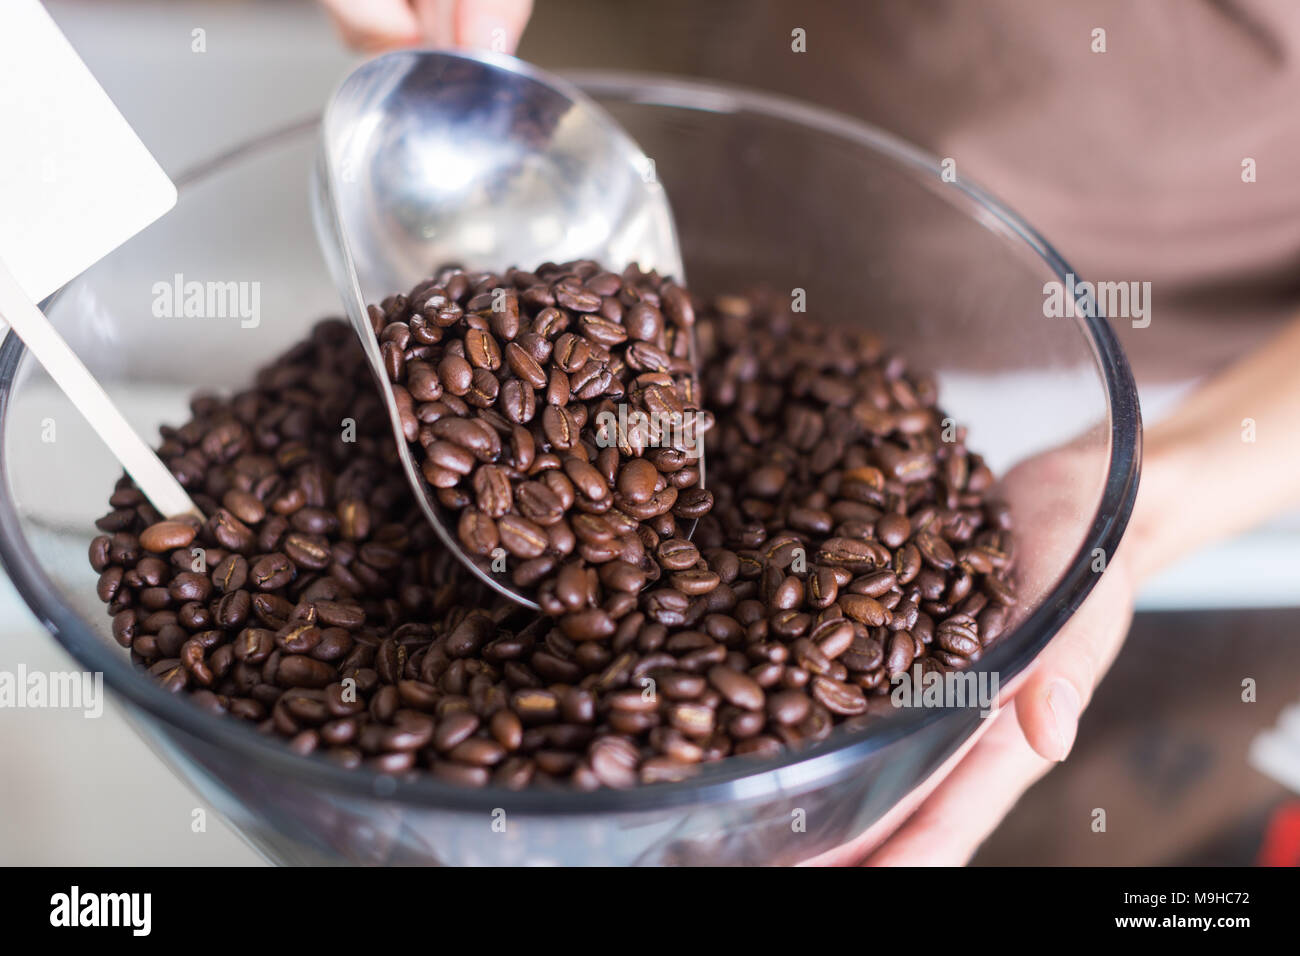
(1129, 161)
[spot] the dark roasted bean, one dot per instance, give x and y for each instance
(167, 536)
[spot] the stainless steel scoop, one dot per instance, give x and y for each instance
(431, 157)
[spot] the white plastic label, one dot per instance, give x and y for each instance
(75, 180)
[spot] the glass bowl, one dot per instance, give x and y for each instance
(764, 190)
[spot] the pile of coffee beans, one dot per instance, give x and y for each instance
(852, 538)
(555, 414)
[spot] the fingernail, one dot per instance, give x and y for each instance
(1063, 701)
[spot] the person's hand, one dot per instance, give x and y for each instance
(374, 25)
(945, 819)
(1221, 464)
(1036, 728)
(1024, 740)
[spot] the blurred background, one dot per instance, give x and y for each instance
(1166, 746)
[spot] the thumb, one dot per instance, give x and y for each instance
(1053, 696)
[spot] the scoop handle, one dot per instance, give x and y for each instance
(152, 477)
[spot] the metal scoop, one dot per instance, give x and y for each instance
(431, 157)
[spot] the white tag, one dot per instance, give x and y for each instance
(1276, 751)
(75, 180)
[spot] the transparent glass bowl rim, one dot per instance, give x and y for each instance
(729, 780)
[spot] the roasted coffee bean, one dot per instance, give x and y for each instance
(846, 700)
(788, 707)
(455, 374)
(958, 635)
(99, 553)
(739, 689)
(893, 529)
(538, 503)
(864, 609)
(833, 637)
(308, 550)
(478, 752)
(901, 651)
(521, 537)
(560, 428)
(231, 573)
(588, 625)
(167, 536)
(298, 638)
(232, 609)
(935, 551)
(190, 586)
(492, 491)
(244, 505)
(677, 554)
(695, 581)
(693, 503)
(481, 349)
(571, 352)
(637, 480)
(450, 457)
(849, 553)
(231, 533)
(271, 572)
(525, 366)
(518, 401)
(907, 563)
(296, 670)
(586, 479)
(694, 720)
(477, 533)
